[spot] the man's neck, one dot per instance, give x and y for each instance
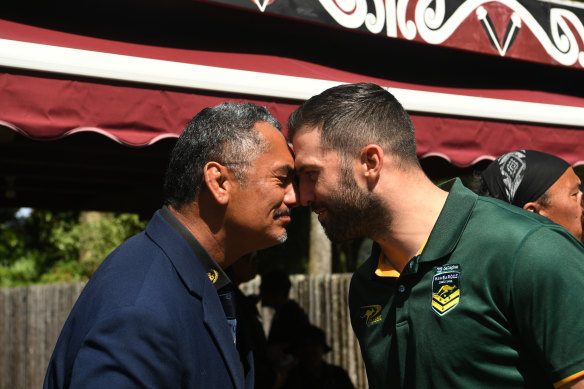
(413, 213)
(211, 241)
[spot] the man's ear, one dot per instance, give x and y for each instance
(532, 207)
(218, 181)
(371, 162)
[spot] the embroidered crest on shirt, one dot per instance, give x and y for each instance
(372, 314)
(445, 288)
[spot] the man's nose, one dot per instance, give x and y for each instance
(306, 194)
(291, 196)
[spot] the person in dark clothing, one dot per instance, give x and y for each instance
(288, 322)
(250, 331)
(289, 318)
(311, 370)
(538, 182)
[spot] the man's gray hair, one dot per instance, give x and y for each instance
(225, 134)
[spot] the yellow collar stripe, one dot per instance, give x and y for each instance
(423, 247)
(384, 269)
(568, 379)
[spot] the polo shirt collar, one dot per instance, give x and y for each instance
(446, 232)
(214, 271)
(451, 222)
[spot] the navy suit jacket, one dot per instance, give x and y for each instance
(148, 318)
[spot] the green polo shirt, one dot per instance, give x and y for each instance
(495, 300)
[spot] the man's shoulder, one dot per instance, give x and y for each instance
(363, 275)
(293, 311)
(508, 226)
(137, 272)
(491, 210)
(508, 216)
(366, 287)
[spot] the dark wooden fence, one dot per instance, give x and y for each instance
(31, 319)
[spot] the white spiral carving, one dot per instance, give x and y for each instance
(564, 48)
(375, 23)
(348, 13)
(430, 23)
(407, 27)
(563, 37)
(435, 17)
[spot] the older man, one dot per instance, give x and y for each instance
(159, 311)
(460, 291)
(538, 182)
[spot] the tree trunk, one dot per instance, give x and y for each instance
(89, 233)
(320, 251)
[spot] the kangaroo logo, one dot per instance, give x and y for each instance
(446, 290)
(372, 314)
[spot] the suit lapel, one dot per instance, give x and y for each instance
(197, 282)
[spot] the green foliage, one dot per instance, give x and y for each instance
(64, 271)
(59, 246)
(22, 271)
(100, 236)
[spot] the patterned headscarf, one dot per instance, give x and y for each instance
(522, 176)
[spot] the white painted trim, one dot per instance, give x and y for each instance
(565, 3)
(33, 56)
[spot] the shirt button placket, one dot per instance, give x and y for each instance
(401, 300)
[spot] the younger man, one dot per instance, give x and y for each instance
(460, 291)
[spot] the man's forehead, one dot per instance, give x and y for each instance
(307, 142)
(278, 157)
(317, 159)
(313, 131)
(567, 181)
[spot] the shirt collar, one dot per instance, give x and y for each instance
(451, 222)
(446, 232)
(214, 271)
(385, 268)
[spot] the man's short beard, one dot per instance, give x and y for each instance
(354, 212)
(283, 238)
(283, 212)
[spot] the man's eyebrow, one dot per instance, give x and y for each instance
(285, 169)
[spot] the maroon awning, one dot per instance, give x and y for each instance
(132, 94)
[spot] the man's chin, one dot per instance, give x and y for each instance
(271, 240)
(283, 238)
(336, 236)
(279, 239)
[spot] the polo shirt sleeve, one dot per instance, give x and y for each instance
(546, 293)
